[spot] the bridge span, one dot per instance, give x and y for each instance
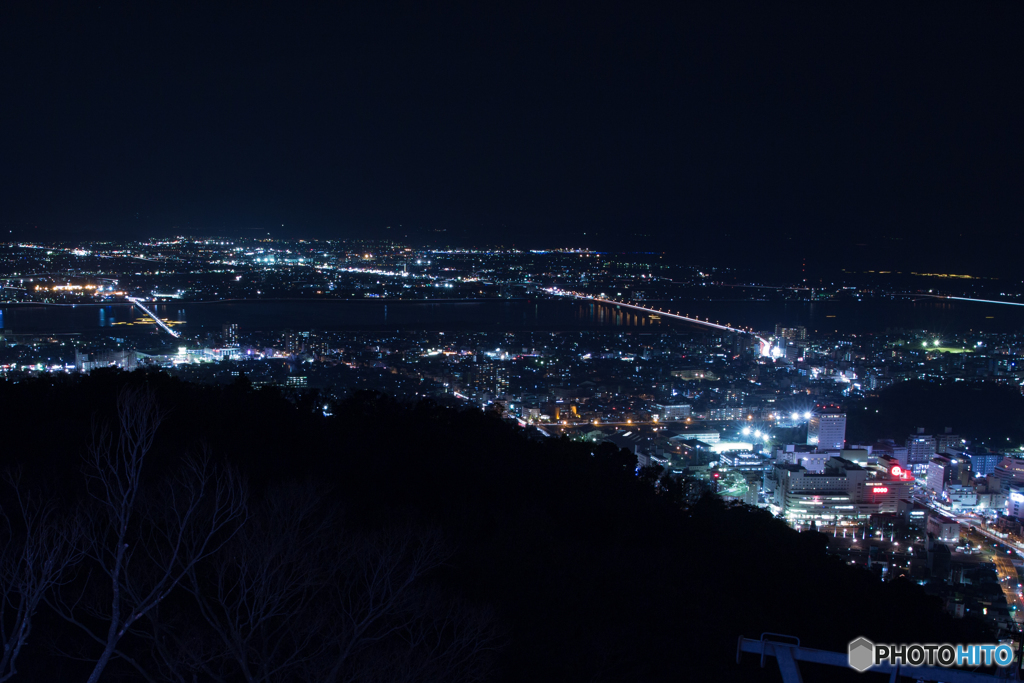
(764, 344)
(151, 314)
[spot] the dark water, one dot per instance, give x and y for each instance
(519, 314)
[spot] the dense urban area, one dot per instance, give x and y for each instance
(903, 443)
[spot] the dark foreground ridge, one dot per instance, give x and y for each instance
(403, 543)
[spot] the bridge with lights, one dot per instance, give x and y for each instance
(151, 314)
(764, 345)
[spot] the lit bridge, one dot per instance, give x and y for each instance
(151, 314)
(765, 345)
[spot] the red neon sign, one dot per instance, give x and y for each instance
(898, 472)
(880, 489)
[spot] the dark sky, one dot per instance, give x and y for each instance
(861, 133)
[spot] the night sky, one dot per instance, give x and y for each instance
(844, 133)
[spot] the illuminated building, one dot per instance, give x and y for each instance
(708, 436)
(844, 490)
(292, 342)
(913, 513)
(795, 454)
(888, 448)
(947, 442)
(983, 464)
(827, 430)
(962, 497)
(920, 448)
(673, 413)
(982, 461)
(728, 413)
(798, 333)
(317, 345)
(120, 358)
(743, 462)
(1009, 473)
(942, 471)
(944, 529)
(1015, 502)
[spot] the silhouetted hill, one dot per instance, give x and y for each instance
(590, 576)
(972, 409)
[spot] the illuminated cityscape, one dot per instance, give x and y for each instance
(426, 343)
(774, 403)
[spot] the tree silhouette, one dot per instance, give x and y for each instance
(140, 547)
(39, 548)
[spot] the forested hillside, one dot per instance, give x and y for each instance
(165, 531)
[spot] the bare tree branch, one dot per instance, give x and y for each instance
(373, 593)
(145, 544)
(257, 594)
(40, 546)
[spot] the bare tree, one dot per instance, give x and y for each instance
(295, 597)
(373, 595)
(142, 546)
(453, 641)
(449, 641)
(256, 595)
(40, 546)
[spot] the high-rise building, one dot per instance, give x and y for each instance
(983, 464)
(941, 471)
(888, 447)
(317, 345)
(794, 333)
(947, 441)
(1010, 472)
(827, 430)
(293, 342)
(230, 333)
(1015, 502)
(920, 448)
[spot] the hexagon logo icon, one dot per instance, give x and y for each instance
(862, 654)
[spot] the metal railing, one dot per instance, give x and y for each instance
(788, 651)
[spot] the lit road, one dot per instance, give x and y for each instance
(151, 314)
(602, 423)
(1008, 581)
(765, 346)
(1005, 570)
